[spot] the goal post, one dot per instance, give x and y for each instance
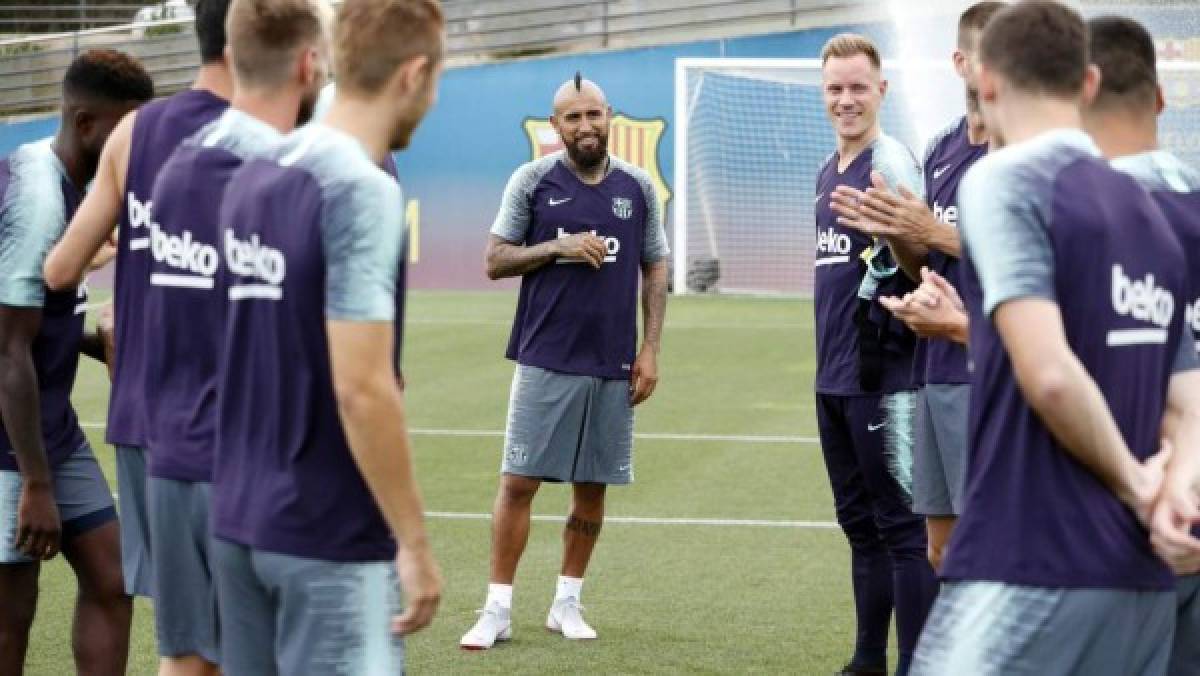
(751, 135)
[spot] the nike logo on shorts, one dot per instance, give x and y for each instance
(553, 202)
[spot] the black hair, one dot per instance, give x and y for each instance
(107, 75)
(578, 81)
(1124, 52)
(210, 28)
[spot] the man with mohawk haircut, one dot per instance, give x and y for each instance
(579, 227)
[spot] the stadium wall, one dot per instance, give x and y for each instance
(488, 117)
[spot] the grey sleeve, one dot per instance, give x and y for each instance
(1005, 235)
(1185, 356)
(654, 243)
(32, 219)
(516, 207)
(898, 166)
(362, 230)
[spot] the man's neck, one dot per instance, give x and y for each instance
(977, 132)
(849, 149)
(1119, 133)
(80, 170)
(216, 78)
(592, 175)
(1032, 116)
(365, 122)
(277, 108)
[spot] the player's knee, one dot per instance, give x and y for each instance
(517, 491)
(18, 609)
(935, 553)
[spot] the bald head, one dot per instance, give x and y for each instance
(581, 117)
(587, 93)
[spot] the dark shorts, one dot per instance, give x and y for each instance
(135, 523)
(291, 616)
(185, 600)
(1185, 653)
(940, 453)
(996, 629)
(84, 501)
(568, 428)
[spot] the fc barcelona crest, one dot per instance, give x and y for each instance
(633, 140)
(623, 207)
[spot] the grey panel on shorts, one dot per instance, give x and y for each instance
(569, 428)
(80, 491)
(898, 409)
(1185, 652)
(135, 523)
(297, 617)
(185, 601)
(939, 461)
(993, 629)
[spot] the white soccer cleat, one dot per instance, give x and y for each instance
(566, 618)
(494, 624)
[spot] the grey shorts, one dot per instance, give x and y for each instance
(940, 453)
(185, 601)
(84, 501)
(570, 428)
(135, 524)
(297, 617)
(1185, 653)
(994, 629)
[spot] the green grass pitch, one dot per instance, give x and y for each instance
(665, 598)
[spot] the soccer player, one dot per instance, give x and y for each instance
(931, 225)
(864, 369)
(1123, 120)
(579, 227)
(279, 52)
(315, 507)
(121, 194)
(53, 496)
(1074, 283)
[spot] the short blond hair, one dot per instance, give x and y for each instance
(264, 36)
(846, 45)
(375, 37)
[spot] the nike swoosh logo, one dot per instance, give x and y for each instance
(554, 202)
(876, 428)
(937, 173)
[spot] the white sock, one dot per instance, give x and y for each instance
(568, 587)
(499, 593)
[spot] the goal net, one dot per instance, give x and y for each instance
(751, 135)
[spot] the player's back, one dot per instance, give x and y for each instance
(159, 127)
(36, 201)
(310, 232)
(1034, 515)
(185, 299)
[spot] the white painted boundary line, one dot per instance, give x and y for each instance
(655, 521)
(648, 436)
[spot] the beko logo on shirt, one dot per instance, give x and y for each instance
(140, 216)
(612, 246)
(947, 215)
(835, 245)
(1144, 301)
(197, 260)
(253, 259)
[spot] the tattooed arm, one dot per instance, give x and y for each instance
(505, 259)
(644, 378)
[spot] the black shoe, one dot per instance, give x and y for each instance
(854, 670)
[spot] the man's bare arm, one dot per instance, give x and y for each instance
(371, 407)
(505, 259)
(38, 526)
(97, 215)
(1068, 401)
(644, 377)
(1178, 507)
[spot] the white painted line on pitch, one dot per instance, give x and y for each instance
(655, 521)
(648, 436)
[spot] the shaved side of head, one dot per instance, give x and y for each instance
(568, 94)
